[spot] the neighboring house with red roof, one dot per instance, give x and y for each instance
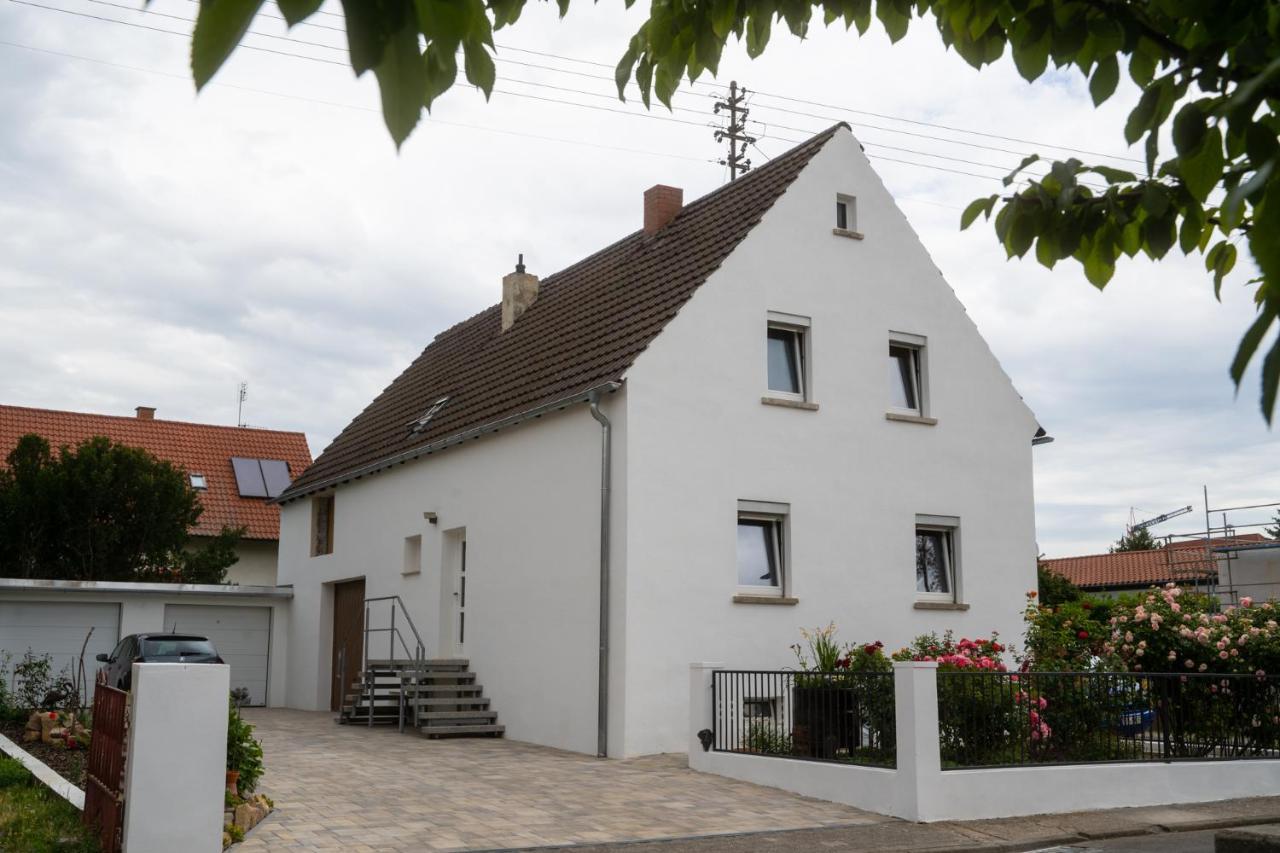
(236, 470)
(1202, 562)
(763, 410)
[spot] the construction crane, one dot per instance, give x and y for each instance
(1159, 519)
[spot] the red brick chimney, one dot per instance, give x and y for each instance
(145, 413)
(661, 204)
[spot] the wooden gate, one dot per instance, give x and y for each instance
(104, 788)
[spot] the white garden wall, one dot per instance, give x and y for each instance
(918, 789)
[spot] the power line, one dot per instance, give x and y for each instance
(219, 84)
(951, 128)
(645, 115)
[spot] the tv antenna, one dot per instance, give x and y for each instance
(244, 392)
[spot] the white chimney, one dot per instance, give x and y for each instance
(519, 290)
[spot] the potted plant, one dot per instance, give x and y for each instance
(244, 753)
(821, 704)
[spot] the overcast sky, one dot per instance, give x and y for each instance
(157, 248)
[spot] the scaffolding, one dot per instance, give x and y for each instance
(1203, 559)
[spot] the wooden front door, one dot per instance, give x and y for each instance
(348, 634)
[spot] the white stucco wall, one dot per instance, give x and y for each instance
(528, 498)
(700, 440)
(1250, 573)
(257, 563)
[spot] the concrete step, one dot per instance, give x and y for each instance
(434, 716)
(432, 664)
(456, 701)
(492, 729)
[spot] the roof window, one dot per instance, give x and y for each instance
(199, 482)
(420, 424)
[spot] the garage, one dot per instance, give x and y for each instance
(59, 628)
(242, 636)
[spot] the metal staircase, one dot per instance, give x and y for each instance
(437, 697)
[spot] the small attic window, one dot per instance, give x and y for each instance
(421, 423)
(846, 217)
(199, 482)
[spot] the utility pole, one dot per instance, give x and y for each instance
(244, 392)
(736, 133)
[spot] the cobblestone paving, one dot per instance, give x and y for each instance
(359, 789)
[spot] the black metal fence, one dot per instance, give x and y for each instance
(1000, 719)
(819, 716)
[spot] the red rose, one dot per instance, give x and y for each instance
(1084, 635)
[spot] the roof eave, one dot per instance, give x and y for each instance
(449, 441)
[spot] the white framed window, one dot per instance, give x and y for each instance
(937, 558)
(908, 387)
(787, 356)
(762, 548)
(321, 525)
(199, 482)
(762, 708)
(846, 213)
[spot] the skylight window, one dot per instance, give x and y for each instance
(199, 482)
(260, 478)
(420, 424)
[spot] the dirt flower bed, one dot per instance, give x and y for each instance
(68, 763)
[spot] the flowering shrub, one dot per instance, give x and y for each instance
(837, 712)
(1066, 637)
(954, 656)
(1172, 630)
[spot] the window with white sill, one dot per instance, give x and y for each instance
(937, 559)
(787, 342)
(908, 387)
(762, 548)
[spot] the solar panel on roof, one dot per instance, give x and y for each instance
(275, 473)
(249, 477)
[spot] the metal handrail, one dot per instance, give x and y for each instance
(418, 653)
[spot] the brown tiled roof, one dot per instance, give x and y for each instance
(196, 448)
(1183, 561)
(589, 323)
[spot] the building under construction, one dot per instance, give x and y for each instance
(1227, 559)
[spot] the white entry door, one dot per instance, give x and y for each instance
(242, 636)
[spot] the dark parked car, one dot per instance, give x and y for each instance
(154, 648)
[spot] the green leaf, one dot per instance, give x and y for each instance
(1113, 176)
(1189, 130)
(1192, 226)
(1249, 344)
(1140, 117)
(758, 30)
(402, 81)
(506, 12)
(1105, 78)
(295, 11)
(1202, 171)
(1220, 260)
(1155, 198)
(479, 66)
(1048, 250)
(219, 28)
(1099, 266)
(1158, 234)
(1026, 161)
(441, 67)
(894, 21)
(1031, 58)
(622, 74)
(1270, 380)
(981, 205)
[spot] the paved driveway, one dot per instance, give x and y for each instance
(354, 788)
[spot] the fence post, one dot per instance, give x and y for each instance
(701, 711)
(915, 686)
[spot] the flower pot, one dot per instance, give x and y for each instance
(233, 776)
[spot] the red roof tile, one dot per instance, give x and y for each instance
(1183, 562)
(196, 448)
(588, 324)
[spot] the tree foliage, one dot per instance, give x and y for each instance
(1055, 588)
(1135, 540)
(1274, 530)
(102, 511)
(1208, 71)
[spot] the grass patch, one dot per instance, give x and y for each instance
(33, 819)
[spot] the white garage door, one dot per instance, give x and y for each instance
(242, 636)
(58, 629)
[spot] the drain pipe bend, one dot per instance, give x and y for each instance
(606, 455)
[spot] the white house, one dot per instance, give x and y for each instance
(770, 395)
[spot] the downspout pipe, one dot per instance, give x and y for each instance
(606, 457)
